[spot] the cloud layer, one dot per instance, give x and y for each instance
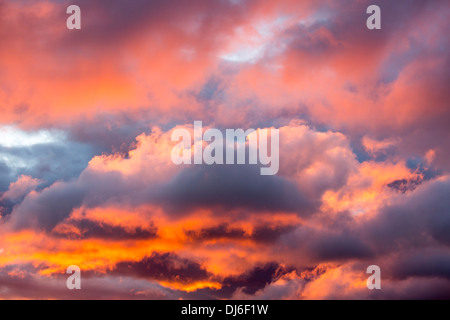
(86, 176)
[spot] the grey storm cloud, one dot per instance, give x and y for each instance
(28, 285)
(54, 204)
(92, 229)
(252, 280)
(336, 245)
(422, 216)
(426, 263)
(238, 187)
(263, 233)
(409, 239)
(163, 266)
(233, 187)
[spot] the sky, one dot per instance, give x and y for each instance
(86, 176)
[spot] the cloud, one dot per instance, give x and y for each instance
(19, 189)
(47, 161)
(147, 176)
(84, 229)
(260, 233)
(164, 266)
(230, 187)
(413, 218)
(26, 285)
(16, 193)
(86, 176)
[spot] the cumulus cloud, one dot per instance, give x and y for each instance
(86, 176)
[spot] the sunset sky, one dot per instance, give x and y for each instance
(86, 176)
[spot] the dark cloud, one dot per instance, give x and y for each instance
(222, 186)
(414, 221)
(339, 247)
(170, 267)
(256, 279)
(239, 186)
(22, 282)
(404, 185)
(261, 233)
(6, 207)
(324, 245)
(420, 219)
(431, 263)
(251, 281)
(98, 230)
(50, 207)
(222, 231)
(111, 133)
(164, 267)
(266, 233)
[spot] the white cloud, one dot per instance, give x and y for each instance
(256, 43)
(14, 137)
